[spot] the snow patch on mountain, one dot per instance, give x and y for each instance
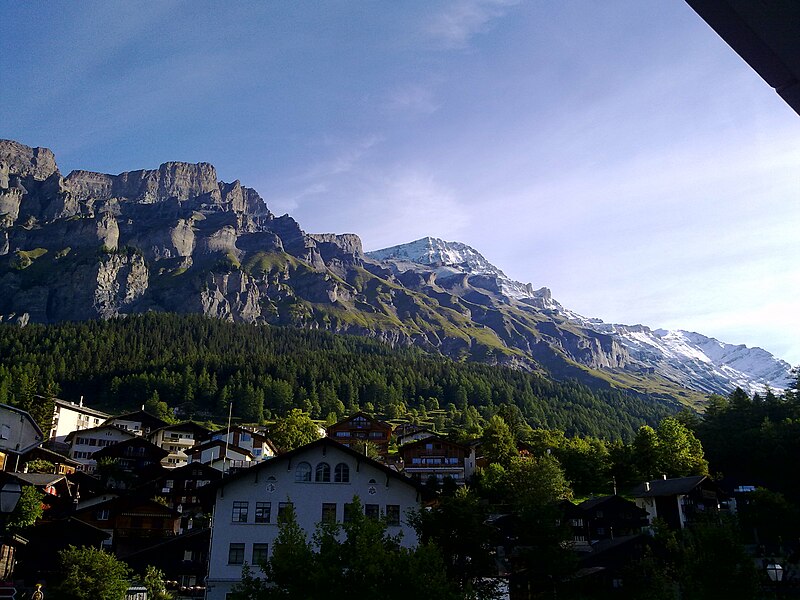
(455, 256)
(690, 359)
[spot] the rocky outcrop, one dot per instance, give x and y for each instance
(24, 161)
(121, 281)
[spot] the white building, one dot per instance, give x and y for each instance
(69, 417)
(319, 479)
(84, 443)
(19, 433)
(178, 440)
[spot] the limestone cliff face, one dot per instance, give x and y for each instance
(94, 245)
(121, 281)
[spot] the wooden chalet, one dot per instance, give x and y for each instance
(437, 457)
(134, 521)
(359, 428)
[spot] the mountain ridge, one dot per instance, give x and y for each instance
(176, 239)
(689, 358)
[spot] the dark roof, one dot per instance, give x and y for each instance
(667, 487)
(49, 455)
(142, 416)
(427, 440)
(79, 407)
(323, 441)
(117, 449)
(367, 416)
(211, 443)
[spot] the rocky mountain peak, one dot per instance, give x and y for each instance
(37, 163)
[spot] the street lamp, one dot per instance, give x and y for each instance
(775, 572)
(9, 496)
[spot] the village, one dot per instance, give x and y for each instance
(198, 505)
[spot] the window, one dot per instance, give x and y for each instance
(102, 514)
(239, 514)
(263, 510)
(372, 511)
(303, 472)
(236, 554)
(393, 514)
(341, 473)
(342, 434)
(328, 512)
(283, 508)
(323, 473)
(349, 512)
(260, 553)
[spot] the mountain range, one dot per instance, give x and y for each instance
(92, 245)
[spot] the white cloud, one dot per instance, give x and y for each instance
(414, 99)
(462, 19)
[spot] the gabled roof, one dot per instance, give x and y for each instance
(222, 443)
(368, 417)
(39, 479)
(602, 500)
(667, 487)
(195, 428)
(141, 416)
(118, 449)
(50, 456)
(427, 440)
(185, 472)
(323, 441)
(82, 432)
(80, 408)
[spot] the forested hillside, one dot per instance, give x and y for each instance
(198, 365)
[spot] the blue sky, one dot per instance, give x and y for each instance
(617, 152)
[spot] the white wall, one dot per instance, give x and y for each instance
(307, 497)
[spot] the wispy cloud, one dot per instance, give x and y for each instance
(412, 99)
(462, 19)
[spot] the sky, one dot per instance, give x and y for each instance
(617, 152)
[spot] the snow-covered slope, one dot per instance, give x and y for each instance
(689, 359)
(436, 253)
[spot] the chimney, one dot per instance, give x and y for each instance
(81, 402)
(646, 486)
(664, 476)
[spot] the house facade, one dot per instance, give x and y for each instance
(679, 500)
(19, 434)
(69, 417)
(359, 428)
(437, 457)
(84, 443)
(177, 440)
(319, 480)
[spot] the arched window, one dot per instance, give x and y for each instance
(341, 474)
(303, 472)
(323, 473)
